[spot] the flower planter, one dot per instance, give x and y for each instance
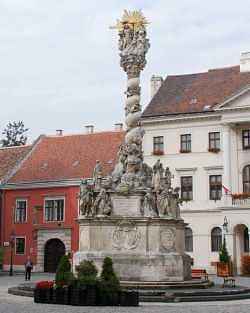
(61, 295)
(108, 299)
(224, 269)
(43, 295)
(129, 298)
(91, 295)
(77, 295)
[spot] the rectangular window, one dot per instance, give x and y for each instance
(215, 187)
(21, 211)
(246, 139)
(187, 188)
(54, 210)
(185, 143)
(214, 141)
(158, 145)
(20, 245)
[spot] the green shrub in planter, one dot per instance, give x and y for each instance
(223, 253)
(87, 273)
(87, 278)
(109, 285)
(64, 276)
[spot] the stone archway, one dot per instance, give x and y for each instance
(53, 251)
(241, 245)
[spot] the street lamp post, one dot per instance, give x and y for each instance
(225, 226)
(12, 244)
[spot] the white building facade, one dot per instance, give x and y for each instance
(199, 126)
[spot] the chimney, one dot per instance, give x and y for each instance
(155, 84)
(118, 127)
(245, 62)
(59, 132)
(89, 129)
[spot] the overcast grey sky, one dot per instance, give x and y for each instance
(59, 64)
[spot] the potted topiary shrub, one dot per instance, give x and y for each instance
(245, 265)
(84, 291)
(64, 277)
(224, 266)
(43, 292)
(109, 284)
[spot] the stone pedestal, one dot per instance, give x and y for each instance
(142, 248)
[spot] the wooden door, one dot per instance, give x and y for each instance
(54, 250)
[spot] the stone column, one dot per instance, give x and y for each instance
(133, 46)
(226, 144)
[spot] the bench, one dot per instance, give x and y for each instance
(228, 282)
(198, 273)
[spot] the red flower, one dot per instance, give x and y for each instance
(45, 284)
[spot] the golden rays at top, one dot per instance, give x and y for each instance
(134, 19)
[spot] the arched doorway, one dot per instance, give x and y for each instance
(241, 245)
(53, 251)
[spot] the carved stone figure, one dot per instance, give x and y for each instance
(86, 199)
(157, 175)
(168, 178)
(97, 174)
(163, 203)
(102, 203)
(148, 205)
(176, 202)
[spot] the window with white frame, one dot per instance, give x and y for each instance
(188, 239)
(187, 188)
(214, 141)
(215, 187)
(21, 211)
(158, 145)
(246, 139)
(216, 239)
(54, 209)
(185, 143)
(20, 245)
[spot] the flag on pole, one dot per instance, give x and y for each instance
(226, 190)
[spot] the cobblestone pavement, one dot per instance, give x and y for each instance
(16, 304)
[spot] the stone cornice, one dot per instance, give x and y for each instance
(181, 118)
(41, 184)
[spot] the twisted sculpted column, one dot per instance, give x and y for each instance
(133, 46)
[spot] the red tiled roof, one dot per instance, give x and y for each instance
(9, 158)
(69, 157)
(196, 92)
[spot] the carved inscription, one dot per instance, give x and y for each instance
(126, 206)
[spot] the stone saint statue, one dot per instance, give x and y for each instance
(97, 174)
(157, 175)
(148, 205)
(175, 202)
(168, 178)
(163, 203)
(102, 204)
(85, 199)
